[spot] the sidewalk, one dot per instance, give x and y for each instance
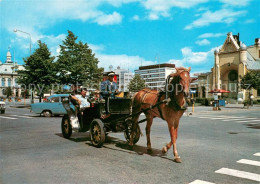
(207, 109)
(22, 104)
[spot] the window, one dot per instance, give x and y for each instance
(9, 82)
(3, 81)
(55, 99)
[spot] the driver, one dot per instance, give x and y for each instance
(108, 89)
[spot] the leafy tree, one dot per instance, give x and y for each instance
(77, 65)
(8, 92)
(251, 80)
(136, 84)
(39, 71)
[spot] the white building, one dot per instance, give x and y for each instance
(124, 77)
(155, 75)
(9, 75)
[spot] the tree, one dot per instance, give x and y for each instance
(8, 92)
(76, 63)
(136, 84)
(249, 81)
(39, 71)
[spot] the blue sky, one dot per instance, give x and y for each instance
(129, 33)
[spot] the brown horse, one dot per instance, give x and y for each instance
(177, 89)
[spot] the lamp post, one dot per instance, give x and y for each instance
(17, 30)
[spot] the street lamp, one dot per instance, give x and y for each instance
(17, 30)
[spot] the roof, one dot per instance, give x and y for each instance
(58, 95)
(157, 66)
(251, 63)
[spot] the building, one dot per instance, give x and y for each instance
(203, 84)
(155, 75)
(123, 78)
(233, 60)
(9, 75)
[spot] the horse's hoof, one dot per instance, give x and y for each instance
(164, 150)
(149, 150)
(177, 159)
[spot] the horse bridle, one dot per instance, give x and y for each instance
(171, 77)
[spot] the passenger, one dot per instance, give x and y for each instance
(83, 99)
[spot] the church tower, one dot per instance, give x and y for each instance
(8, 57)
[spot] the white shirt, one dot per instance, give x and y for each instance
(83, 100)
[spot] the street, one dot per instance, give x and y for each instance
(215, 147)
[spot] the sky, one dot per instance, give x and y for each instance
(130, 33)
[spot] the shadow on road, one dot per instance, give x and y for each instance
(121, 146)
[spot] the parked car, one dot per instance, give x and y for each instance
(2, 107)
(52, 107)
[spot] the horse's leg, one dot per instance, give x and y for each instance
(169, 145)
(173, 132)
(134, 128)
(148, 131)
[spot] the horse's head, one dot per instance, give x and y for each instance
(180, 81)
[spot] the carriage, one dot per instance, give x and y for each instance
(97, 121)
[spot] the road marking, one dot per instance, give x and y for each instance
(21, 116)
(7, 117)
(200, 182)
(257, 154)
(249, 121)
(231, 119)
(240, 174)
(249, 162)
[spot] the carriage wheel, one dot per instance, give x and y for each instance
(66, 127)
(128, 131)
(97, 132)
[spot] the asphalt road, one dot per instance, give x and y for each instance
(212, 145)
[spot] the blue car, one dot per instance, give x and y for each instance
(53, 106)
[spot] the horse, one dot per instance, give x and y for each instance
(176, 91)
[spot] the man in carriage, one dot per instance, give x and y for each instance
(108, 89)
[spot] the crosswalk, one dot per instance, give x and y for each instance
(16, 116)
(237, 119)
(237, 173)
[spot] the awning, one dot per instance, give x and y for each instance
(219, 91)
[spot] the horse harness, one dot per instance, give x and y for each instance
(156, 101)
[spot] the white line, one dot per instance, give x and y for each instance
(232, 120)
(200, 182)
(257, 154)
(28, 114)
(249, 162)
(21, 116)
(7, 117)
(240, 174)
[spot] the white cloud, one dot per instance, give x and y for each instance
(211, 35)
(127, 62)
(221, 16)
(159, 8)
(114, 18)
(249, 21)
(203, 42)
(236, 2)
(136, 18)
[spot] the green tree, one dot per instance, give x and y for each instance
(8, 92)
(136, 84)
(251, 80)
(77, 64)
(39, 71)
